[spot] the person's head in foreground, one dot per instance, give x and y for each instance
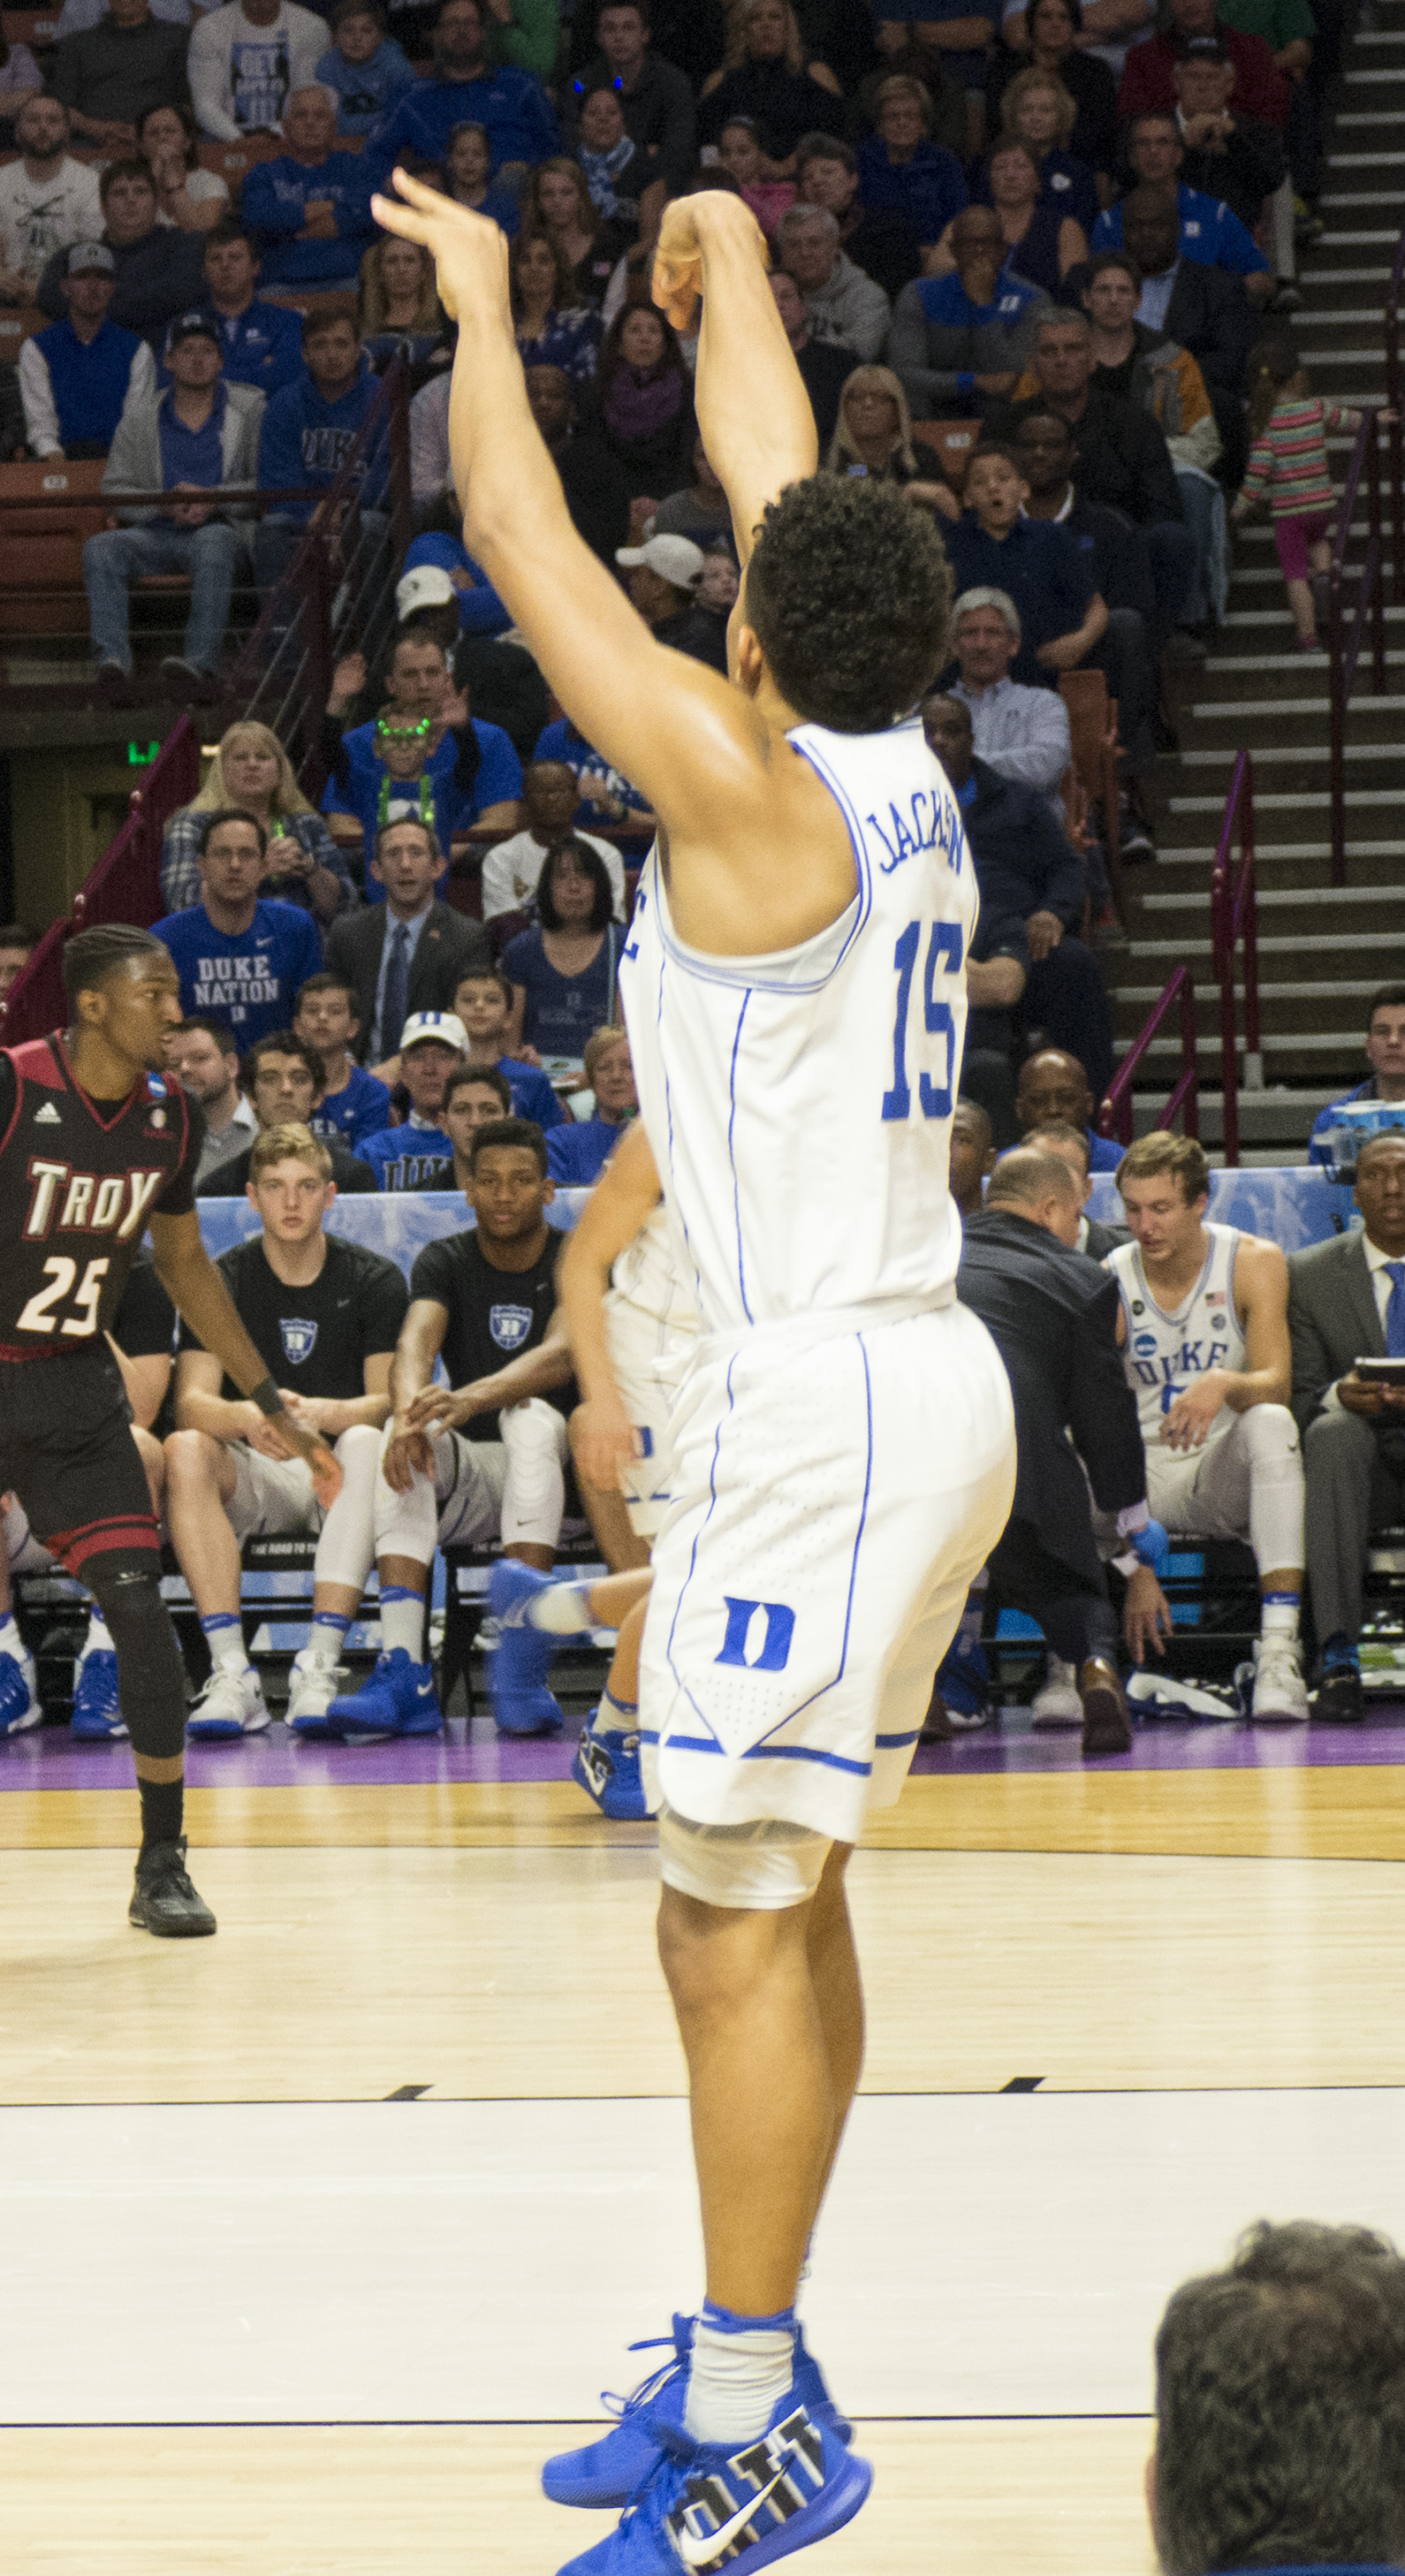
(845, 607)
(1280, 2408)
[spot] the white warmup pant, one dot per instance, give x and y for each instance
(513, 1488)
(1247, 1482)
(833, 1499)
(273, 1498)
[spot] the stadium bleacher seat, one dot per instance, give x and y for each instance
(18, 323)
(36, 28)
(41, 548)
(953, 441)
(232, 160)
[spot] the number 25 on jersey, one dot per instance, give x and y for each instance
(943, 958)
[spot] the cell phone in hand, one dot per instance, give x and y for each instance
(1381, 1372)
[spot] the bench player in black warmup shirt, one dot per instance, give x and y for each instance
(324, 1316)
(456, 1465)
(95, 1146)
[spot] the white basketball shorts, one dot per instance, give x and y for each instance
(648, 1361)
(832, 1500)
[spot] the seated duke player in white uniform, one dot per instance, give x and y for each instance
(1204, 1331)
(145, 1321)
(323, 1315)
(485, 1455)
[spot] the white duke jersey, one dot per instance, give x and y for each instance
(1166, 1353)
(799, 1104)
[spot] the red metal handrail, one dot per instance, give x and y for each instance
(1234, 913)
(125, 885)
(1115, 1115)
(1394, 390)
(1344, 646)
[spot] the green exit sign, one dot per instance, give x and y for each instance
(139, 759)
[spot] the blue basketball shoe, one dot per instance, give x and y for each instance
(398, 1699)
(19, 1699)
(963, 1679)
(522, 1704)
(707, 2506)
(97, 1717)
(607, 1767)
(605, 2474)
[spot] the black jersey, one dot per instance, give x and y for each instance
(314, 1340)
(493, 1314)
(79, 1180)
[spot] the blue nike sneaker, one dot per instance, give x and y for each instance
(398, 1699)
(607, 1768)
(963, 1678)
(604, 2475)
(707, 2506)
(19, 1700)
(97, 1718)
(521, 1659)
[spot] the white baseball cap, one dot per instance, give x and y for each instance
(440, 1025)
(426, 586)
(674, 559)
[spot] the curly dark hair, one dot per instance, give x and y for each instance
(849, 595)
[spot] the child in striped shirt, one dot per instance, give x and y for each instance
(1288, 467)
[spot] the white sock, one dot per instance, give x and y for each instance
(615, 1716)
(1279, 1615)
(562, 1610)
(402, 1620)
(741, 2368)
(327, 1636)
(97, 1641)
(224, 1635)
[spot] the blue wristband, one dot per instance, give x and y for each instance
(1152, 1545)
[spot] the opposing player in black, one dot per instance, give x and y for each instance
(96, 1145)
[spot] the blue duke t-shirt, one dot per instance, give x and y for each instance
(246, 978)
(361, 1108)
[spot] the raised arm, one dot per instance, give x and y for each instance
(669, 724)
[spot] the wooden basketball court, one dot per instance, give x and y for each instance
(320, 2235)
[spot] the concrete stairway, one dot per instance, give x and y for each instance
(1322, 949)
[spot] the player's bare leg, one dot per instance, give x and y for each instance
(608, 1513)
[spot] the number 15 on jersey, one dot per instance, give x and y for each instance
(944, 949)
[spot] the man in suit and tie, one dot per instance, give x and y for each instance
(1346, 1301)
(407, 954)
(1053, 1316)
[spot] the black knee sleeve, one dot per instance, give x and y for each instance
(150, 1674)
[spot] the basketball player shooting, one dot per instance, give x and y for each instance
(97, 1144)
(793, 984)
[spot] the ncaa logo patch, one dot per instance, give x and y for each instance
(299, 1337)
(509, 1326)
(1145, 1346)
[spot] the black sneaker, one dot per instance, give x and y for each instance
(163, 1900)
(1338, 1700)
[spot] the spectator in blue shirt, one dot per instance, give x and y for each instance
(483, 1002)
(961, 342)
(511, 106)
(1210, 234)
(481, 612)
(1385, 1054)
(1054, 1092)
(902, 171)
(307, 430)
(196, 436)
(993, 546)
(77, 376)
(240, 960)
(364, 66)
(576, 1155)
(354, 1104)
(307, 207)
(420, 1155)
(602, 787)
(395, 769)
(563, 972)
(261, 343)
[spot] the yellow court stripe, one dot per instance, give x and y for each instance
(1348, 1812)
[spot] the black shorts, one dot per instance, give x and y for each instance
(66, 1450)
